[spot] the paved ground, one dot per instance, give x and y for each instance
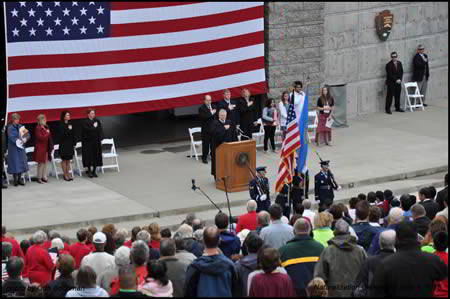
(374, 149)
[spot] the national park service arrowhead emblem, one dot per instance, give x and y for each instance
(384, 21)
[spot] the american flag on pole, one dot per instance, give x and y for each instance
(288, 150)
(127, 57)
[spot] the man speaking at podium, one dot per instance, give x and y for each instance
(222, 130)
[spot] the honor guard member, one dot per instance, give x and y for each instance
(324, 185)
(259, 189)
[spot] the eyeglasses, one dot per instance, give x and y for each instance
(422, 49)
(393, 56)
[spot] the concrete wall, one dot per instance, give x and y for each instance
(336, 42)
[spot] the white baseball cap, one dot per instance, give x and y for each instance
(99, 237)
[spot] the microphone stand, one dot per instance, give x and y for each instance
(228, 200)
(207, 197)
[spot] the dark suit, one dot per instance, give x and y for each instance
(420, 68)
(232, 115)
(247, 116)
(431, 208)
(220, 135)
(440, 197)
(323, 190)
(256, 193)
(393, 89)
(206, 118)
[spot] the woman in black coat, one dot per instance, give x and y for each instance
(66, 144)
(91, 139)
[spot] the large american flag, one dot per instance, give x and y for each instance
(288, 150)
(127, 57)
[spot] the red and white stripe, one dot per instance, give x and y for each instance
(288, 152)
(159, 56)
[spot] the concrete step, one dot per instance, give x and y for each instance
(207, 212)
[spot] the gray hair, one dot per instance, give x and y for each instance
(121, 234)
(53, 234)
(387, 239)
(39, 237)
(139, 252)
(6, 249)
(341, 227)
(395, 215)
(420, 46)
(122, 256)
(58, 243)
(222, 111)
(418, 210)
(306, 204)
(264, 218)
(198, 234)
(144, 236)
(302, 227)
(251, 205)
(184, 231)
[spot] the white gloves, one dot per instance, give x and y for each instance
(19, 143)
(263, 197)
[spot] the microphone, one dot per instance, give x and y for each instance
(193, 185)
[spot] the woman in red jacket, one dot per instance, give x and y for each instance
(43, 148)
(38, 263)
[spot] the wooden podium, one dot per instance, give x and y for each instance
(230, 162)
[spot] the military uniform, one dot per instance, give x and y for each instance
(324, 184)
(256, 193)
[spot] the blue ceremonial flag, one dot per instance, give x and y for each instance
(302, 151)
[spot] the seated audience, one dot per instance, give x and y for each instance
(300, 255)
(86, 284)
(340, 262)
(65, 282)
(250, 220)
(393, 277)
(271, 283)
(277, 233)
(14, 285)
(229, 243)
(157, 284)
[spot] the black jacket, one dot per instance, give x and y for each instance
(247, 113)
(440, 198)
(91, 138)
(67, 142)
(431, 208)
(206, 117)
(421, 225)
(232, 115)
(59, 287)
(409, 272)
(220, 135)
(420, 68)
(367, 271)
(393, 74)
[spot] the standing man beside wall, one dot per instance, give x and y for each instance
(421, 71)
(394, 76)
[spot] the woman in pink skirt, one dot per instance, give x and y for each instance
(325, 107)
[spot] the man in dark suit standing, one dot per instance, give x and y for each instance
(394, 76)
(222, 130)
(324, 184)
(247, 109)
(421, 71)
(230, 106)
(207, 114)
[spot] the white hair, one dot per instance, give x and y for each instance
(122, 256)
(395, 215)
(251, 205)
(58, 243)
(39, 237)
(184, 231)
(284, 219)
(144, 236)
(387, 239)
(341, 227)
(306, 204)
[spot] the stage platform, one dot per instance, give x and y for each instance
(154, 182)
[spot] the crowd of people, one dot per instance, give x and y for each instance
(16, 137)
(378, 245)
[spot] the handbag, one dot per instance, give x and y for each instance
(329, 122)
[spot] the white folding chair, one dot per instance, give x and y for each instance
(195, 143)
(57, 159)
(259, 136)
(31, 163)
(111, 154)
(5, 167)
(78, 160)
(415, 96)
(313, 121)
